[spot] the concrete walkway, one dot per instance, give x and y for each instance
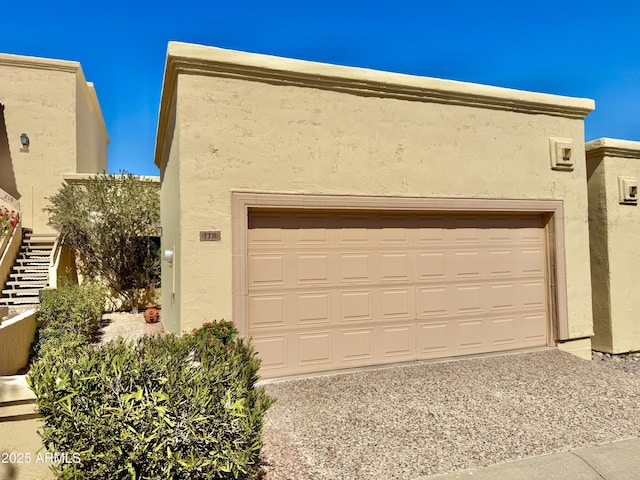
(612, 461)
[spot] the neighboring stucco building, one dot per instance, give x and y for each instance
(51, 102)
(613, 171)
(346, 217)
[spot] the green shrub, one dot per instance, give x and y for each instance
(162, 408)
(70, 310)
(223, 330)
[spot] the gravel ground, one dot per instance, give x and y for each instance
(127, 325)
(406, 422)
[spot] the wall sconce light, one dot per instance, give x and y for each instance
(24, 139)
(159, 229)
(167, 255)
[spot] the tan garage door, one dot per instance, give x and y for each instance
(330, 290)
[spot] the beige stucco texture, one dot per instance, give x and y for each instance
(237, 122)
(52, 103)
(615, 257)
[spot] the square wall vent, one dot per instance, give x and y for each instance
(561, 151)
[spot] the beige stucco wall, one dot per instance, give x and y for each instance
(248, 134)
(16, 336)
(40, 98)
(171, 221)
(91, 133)
(615, 257)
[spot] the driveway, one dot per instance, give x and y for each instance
(412, 421)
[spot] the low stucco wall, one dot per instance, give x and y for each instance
(19, 424)
(261, 124)
(615, 256)
(16, 336)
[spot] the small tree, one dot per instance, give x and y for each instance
(107, 222)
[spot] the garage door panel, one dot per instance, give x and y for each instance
(533, 327)
(465, 230)
(503, 296)
(354, 230)
(267, 311)
(470, 334)
(396, 303)
(314, 348)
(466, 264)
(395, 266)
(430, 230)
(433, 339)
(267, 229)
(273, 351)
(312, 230)
(533, 294)
(355, 267)
(468, 299)
(312, 268)
(393, 230)
(267, 270)
(357, 345)
(356, 305)
(398, 341)
(332, 290)
(313, 308)
(500, 263)
(531, 261)
(430, 266)
(432, 301)
(504, 331)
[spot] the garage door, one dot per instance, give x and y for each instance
(331, 290)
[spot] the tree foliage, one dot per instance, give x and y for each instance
(107, 222)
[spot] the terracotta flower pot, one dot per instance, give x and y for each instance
(151, 314)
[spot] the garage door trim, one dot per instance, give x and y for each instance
(552, 211)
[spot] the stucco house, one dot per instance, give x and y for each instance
(51, 129)
(614, 226)
(345, 217)
(57, 109)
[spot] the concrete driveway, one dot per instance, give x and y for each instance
(414, 421)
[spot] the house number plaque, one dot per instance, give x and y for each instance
(210, 236)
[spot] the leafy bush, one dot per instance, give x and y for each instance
(223, 330)
(72, 310)
(164, 407)
(110, 221)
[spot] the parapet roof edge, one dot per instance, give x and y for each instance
(186, 58)
(612, 147)
(68, 66)
(7, 59)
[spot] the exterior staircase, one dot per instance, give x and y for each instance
(30, 272)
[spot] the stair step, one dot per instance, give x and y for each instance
(37, 274)
(33, 278)
(38, 243)
(31, 270)
(23, 292)
(19, 301)
(47, 236)
(31, 283)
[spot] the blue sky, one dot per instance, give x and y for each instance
(582, 49)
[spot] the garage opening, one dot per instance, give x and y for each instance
(330, 289)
